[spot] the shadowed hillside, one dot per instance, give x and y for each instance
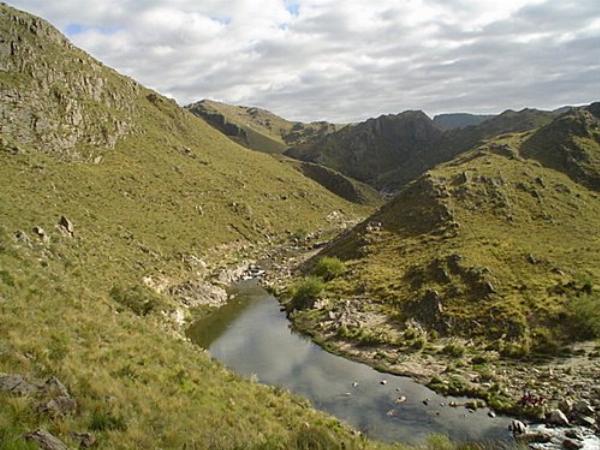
(392, 150)
(570, 144)
(259, 129)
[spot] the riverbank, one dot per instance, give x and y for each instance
(558, 391)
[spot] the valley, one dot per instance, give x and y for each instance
(218, 277)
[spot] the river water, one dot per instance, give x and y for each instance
(251, 336)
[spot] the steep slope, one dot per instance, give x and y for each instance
(153, 199)
(570, 144)
(483, 259)
(392, 150)
(259, 129)
(459, 120)
(497, 237)
(341, 185)
(368, 150)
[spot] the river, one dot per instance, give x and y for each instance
(251, 336)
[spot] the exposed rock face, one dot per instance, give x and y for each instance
(54, 104)
(194, 294)
(391, 150)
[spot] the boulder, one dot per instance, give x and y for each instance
(18, 385)
(517, 427)
(66, 226)
(40, 234)
(537, 437)
(86, 440)
(566, 405)
(58, 407)
(45, 440)
(586, 421)
(583, 407)
(570, 444)
(557, 417)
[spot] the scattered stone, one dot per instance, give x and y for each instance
(538, 437)
(16, 384)
(400, 399)
(45, 440)
(492, 414)
(557, 417)
(355, 384)
(86, 440)
(570, 444)
(586, 421)
(583, 407)
(566, 405)
(58, 407)
(574, 434)
(40, 233)
(66, 226)
(22, 237)
(517, 427)
(383, 382)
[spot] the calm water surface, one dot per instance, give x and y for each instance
(252, 336)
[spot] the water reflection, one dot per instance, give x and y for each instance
(252, 336)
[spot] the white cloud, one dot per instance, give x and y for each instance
(346, 60)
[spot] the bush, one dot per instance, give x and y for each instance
(584, 312)
(329, 268)
(139, 299)
(454, 349)
(305, 292)
(101, 421)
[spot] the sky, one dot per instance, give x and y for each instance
(346, 60)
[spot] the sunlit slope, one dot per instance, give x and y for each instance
(146, 189)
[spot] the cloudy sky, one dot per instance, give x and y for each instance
(344, 60)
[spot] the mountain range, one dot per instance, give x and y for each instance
(464, 241)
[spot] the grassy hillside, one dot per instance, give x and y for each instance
(570, 144)
(341, 185)
(259, 129)
(392, 150)
(489, 247)
(152, 197)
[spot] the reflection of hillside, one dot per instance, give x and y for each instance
(211, 327)
(252, 336)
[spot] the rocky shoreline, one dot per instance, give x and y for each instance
(567, 417)
(555, 400)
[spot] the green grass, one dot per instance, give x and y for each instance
(510, 247)
(304, 293)
(328, 268)
(584, 315)
(93, 309)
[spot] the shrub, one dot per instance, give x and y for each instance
(584, 312)
(102, 421)
(455, 349)
(329, 268)
(305, 292)
(139, 299)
